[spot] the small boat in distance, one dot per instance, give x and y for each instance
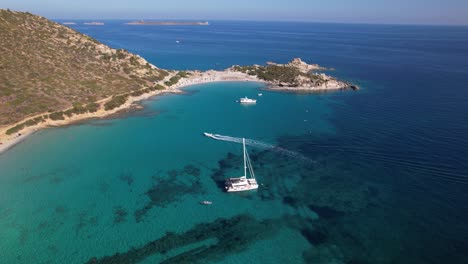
(177, 41)
(215, 136)
(260, 94)
(208, 135)
(247, 100)
(206, 202)
(242, 183)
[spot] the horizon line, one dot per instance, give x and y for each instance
(267, 20)
(259, 20)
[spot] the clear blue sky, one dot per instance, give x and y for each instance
(354, 11)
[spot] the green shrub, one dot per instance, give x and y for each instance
(68, 112)
(57, 116)
(154, 78)
(15, 129)
(162, 74)
(173, 80)
(39, 119)
(127, 70)
(106, 56)
(115, 102)
(159, 87)
(137, 92)
(183, 74)
(92, 107)
(32, 122)
(134, 61)
(121, 54)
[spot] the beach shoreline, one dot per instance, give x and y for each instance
(193, 78)
(9, 141)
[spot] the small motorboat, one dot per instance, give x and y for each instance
(260, 94)
(206, 202)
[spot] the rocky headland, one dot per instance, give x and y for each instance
(296, 75)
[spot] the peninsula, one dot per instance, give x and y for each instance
(169, 23)
(52, 75)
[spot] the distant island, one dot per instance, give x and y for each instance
(69, 23)
(54, 76)
(169, 23)
(94, 23)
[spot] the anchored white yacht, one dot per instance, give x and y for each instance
(242, 183)
(246, 100)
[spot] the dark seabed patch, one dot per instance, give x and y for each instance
(24, 235)
(147, 113)
(171, 188)
(324, 189)
(54, 176)
(60, 209)
(56, 180)
(231, 235)
(231, 162)
(325, 211)
(120, 214)
(126, 177)
(85, 221)
(192, 170)
(104, 187)
(313, 236)
(99, 123)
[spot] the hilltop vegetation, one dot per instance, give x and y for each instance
(294, 76)
(274, 73)
(46, 67)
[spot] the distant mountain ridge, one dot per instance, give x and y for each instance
(47, 67)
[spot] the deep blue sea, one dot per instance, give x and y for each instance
(378, 175)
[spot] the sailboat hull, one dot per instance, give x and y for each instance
(240, 184)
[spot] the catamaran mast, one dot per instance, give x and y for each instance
(245, 164)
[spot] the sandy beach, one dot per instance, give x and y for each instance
(198, 77)
(195, 77)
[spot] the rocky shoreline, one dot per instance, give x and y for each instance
(295, 76)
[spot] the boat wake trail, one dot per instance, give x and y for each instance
(260, 145)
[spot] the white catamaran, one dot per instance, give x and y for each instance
(242, 183)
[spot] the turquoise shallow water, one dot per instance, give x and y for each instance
(61, 204)
(384, 179)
